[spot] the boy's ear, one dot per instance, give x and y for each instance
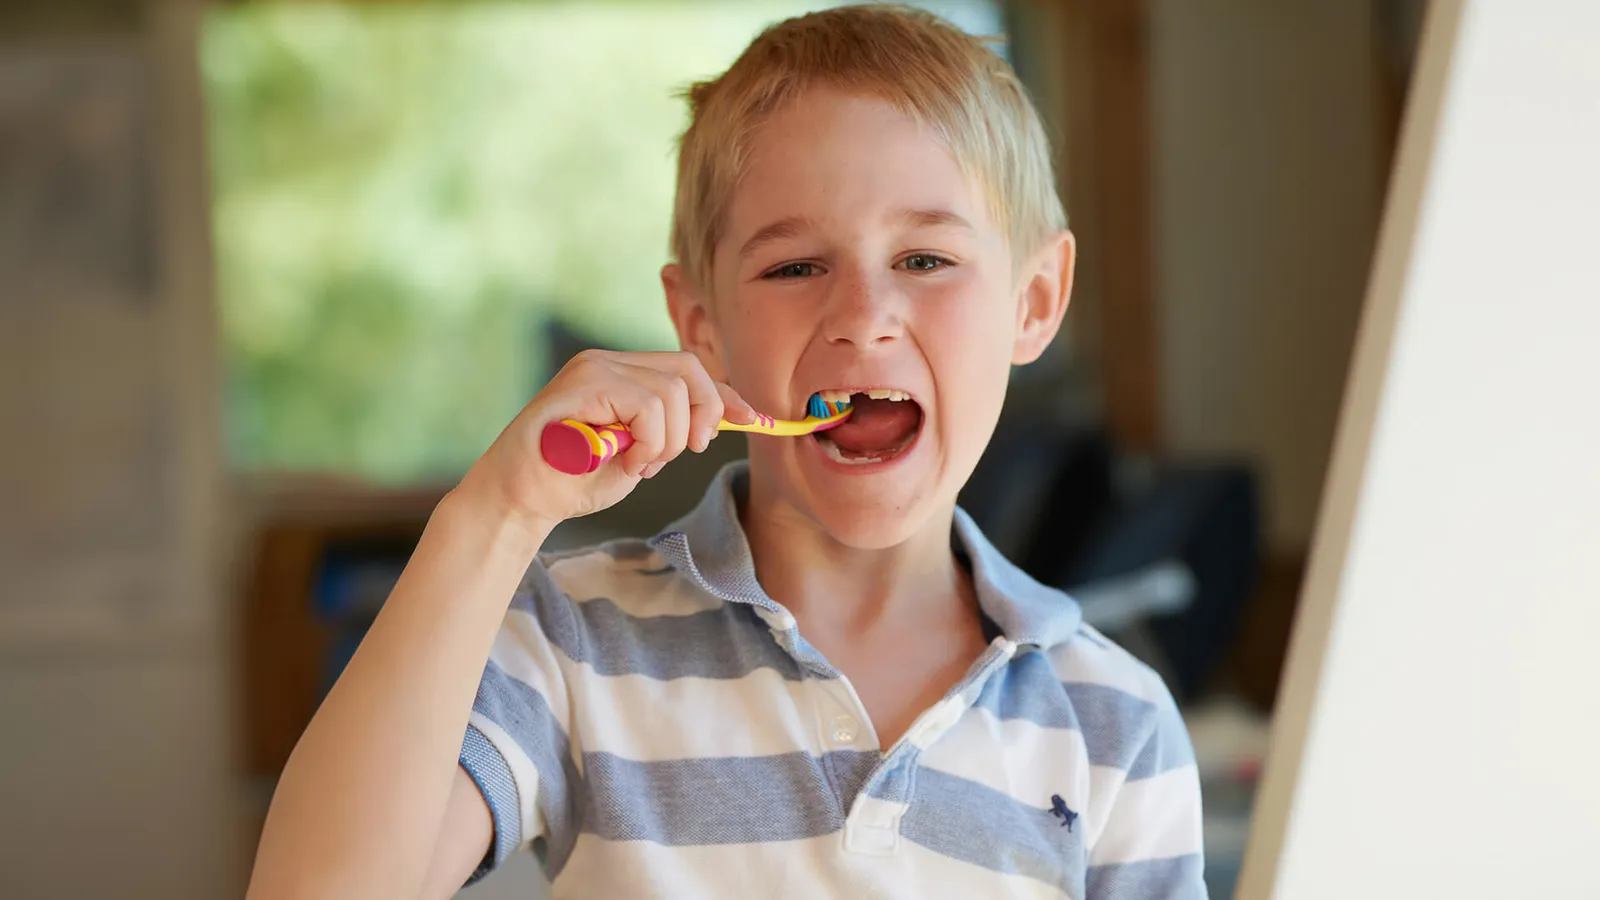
(691, 316)
(1042, 299)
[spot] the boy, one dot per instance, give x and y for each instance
(823, 681)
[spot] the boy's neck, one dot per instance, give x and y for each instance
(828, 585)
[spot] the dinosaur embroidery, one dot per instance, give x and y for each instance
(1058, 808)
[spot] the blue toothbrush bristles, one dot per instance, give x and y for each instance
(818, 408)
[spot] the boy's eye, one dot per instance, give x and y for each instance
(792, 270)
(923, 262)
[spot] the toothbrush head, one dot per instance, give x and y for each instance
(818, 408)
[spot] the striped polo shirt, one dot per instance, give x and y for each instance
(651, 724)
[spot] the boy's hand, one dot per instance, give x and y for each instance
(666, 400)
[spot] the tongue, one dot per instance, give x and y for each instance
(876, 425)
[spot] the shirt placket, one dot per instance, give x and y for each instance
(872, 826)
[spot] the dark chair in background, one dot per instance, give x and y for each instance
(1162, 557)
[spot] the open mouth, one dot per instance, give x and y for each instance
(884, 424)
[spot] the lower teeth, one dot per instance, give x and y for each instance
(834, 453)
(832, 450)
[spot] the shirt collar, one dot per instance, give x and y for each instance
(709, 546)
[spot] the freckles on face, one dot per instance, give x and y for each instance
(857, 253)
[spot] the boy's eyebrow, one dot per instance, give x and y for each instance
(792, 226)
(777, 231)
(933, 218)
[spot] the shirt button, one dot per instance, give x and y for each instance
(844, 730)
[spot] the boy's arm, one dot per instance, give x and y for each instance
(1150, 846)
(370, 801)
(363, 801)
(464, 837)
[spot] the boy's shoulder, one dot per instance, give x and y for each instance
(621, 608)
(628, 574)
(1091, 658)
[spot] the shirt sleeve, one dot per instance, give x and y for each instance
(517, 748)
(1150, 847)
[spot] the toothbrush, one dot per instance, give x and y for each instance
(577, 448)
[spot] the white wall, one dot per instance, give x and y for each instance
(1441, 706)
(1268, 170)
(116, 679)
(115, 779)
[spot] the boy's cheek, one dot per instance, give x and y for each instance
(757, 374)
(747, 370)
(978, 360)
(719, 347)
(714, 364)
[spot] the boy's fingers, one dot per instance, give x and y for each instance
(705, 403)
(704, 415)
(674, 395)
(645, 415)
(734, 409)
(666, 400)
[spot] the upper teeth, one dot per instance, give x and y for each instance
(835, 396)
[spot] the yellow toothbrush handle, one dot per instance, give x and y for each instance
(765, 424)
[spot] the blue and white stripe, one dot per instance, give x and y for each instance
(651, 724)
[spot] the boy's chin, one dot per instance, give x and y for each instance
(873, 512)
(873, 527)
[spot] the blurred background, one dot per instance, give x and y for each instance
(272, 275)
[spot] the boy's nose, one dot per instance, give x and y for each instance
(862, 311)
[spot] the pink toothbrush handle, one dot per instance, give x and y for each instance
(572, 447)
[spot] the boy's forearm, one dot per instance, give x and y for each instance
(357, 811)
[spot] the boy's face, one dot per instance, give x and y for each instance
(856, 255)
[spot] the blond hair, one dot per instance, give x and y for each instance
(927, 68)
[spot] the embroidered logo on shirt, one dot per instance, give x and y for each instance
(1058, 808)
